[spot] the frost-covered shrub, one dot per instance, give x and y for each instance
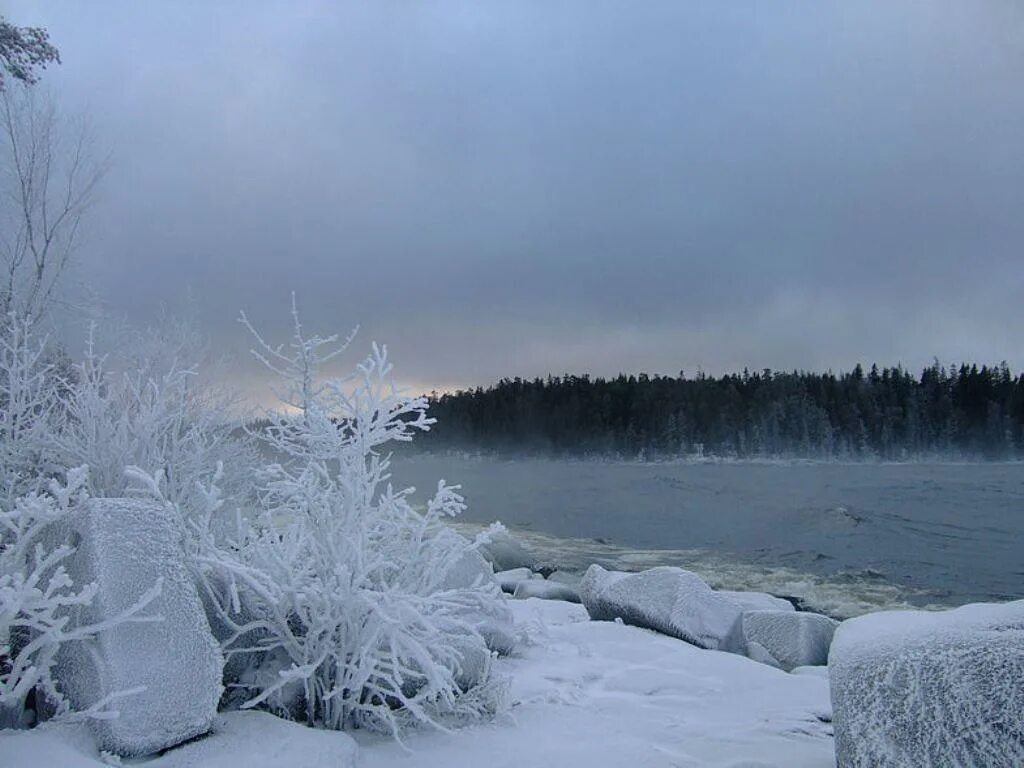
(38, 600)
(30, 409)
(340, 586)
(151, 410)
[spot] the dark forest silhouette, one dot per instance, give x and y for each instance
(889, 414)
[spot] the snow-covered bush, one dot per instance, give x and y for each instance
(30, 410)
(338, 585)
(152, 410)
(38, 600)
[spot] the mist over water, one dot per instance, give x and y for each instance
(842, 538)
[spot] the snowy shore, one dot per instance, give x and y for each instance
(596, 694)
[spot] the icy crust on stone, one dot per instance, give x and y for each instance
(126, 546)
(670, 600)
(510, 579)
(788, 639)
(546, 590)
(915, 688)
(505, 552)
(758, 601)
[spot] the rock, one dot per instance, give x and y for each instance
(758, 601)
(469, 570)
(566, 577)
(125, 546)
(505, 553)
(546, 590)
(510, 579)
(788, 639)
(916, 688)
(669, 600)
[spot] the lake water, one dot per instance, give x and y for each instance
(843, 538)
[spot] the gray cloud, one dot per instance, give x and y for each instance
(501, 188)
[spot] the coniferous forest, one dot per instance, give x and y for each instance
(887, 414)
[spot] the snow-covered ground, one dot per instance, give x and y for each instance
(583, 693)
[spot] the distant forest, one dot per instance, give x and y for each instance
(886, 414)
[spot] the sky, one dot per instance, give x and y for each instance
(501, 188)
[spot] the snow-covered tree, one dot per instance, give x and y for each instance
(341, 587)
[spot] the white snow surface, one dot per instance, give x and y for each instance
(673, 601)
(915, 688)
(788, 639)
(126, 546)
(583, 693)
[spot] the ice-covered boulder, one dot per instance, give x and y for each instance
(546, 590)
(758, 601)
(504, 552)
(509, 580)
(125, 546)
(788, 639)
(670, 600)
(468, 570)
(917, 688)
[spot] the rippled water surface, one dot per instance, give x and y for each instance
(844, 537)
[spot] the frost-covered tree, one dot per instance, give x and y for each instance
(341, 589)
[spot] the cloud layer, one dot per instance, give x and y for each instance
(517, 188)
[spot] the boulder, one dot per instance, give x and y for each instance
(669, 600)
(788, 639)
(758, 601)
(126, 546)
(917, 688)
(546, 590)
(505, 552)
(469, 570)
(509, 580)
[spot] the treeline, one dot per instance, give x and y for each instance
(886, 414)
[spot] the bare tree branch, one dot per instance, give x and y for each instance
(49, 178)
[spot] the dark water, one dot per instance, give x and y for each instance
(850, 537)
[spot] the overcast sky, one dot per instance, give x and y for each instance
(517, 187)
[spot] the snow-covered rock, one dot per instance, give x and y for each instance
(125, 546)
(568, 578)
(670, 600)
(758, 601)
(510, 579)
(469, 570)
(916, 688)
(505, 552)
(788, 639)
(546, 590)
